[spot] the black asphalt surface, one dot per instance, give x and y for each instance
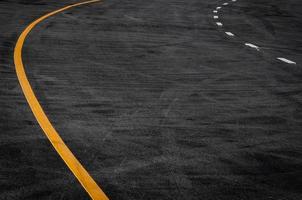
(155, 100)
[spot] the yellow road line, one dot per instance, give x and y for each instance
(74, 165)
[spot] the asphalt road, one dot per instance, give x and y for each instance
(155, 99)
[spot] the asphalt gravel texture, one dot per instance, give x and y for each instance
(155, 100)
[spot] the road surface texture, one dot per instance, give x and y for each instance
(155, 99)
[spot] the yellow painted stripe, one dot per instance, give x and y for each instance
(74, 165)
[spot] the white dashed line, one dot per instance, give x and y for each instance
(252, 46)
(230, 34)
(287, 61)
(247, 44)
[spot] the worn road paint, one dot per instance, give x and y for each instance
(287, 61)
(74, 165)
(252, 46)
(230, 34)
(215, 17)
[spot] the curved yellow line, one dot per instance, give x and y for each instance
(74, 165)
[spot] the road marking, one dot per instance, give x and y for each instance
(247, 44)
(74, 165)
(252, 46)
(287, 61)
(230, 34)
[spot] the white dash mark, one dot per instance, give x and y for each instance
(252, 46)
(287, 61)
(219, 24)
(218, 8)
(234, 0)
(215, 11)
(225, 4)
(215, 17)
(230, 34)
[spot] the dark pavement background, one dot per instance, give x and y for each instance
(155, 100)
